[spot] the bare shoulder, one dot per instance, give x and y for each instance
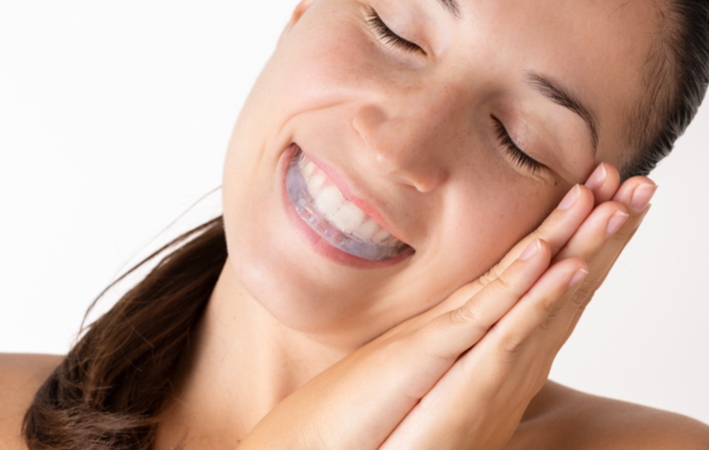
(563, 418)
(20, 377)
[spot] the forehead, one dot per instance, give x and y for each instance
(598, 49)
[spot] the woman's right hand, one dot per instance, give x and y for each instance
(371, 396)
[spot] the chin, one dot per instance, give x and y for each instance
(304, 304)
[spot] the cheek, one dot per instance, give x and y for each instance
(307, 72)
(484, 221)
(479, 225)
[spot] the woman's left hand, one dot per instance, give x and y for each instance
(497, 378)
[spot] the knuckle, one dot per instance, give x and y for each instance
(504, 283)
(511, 347)
(511, 344)
(582, 296)
(552, 314)
(548, 304)
(543, 232)
(623, 235)
(469, 315)
(493, 274)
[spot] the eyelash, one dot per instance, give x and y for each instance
(388, 36)
(519, 157)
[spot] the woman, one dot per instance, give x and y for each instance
(368, 344)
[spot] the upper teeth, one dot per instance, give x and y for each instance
(342, 214)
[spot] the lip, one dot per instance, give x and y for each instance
(320, 245)
(344, 189)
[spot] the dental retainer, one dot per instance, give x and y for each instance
(304, 205)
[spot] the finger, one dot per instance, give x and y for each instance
(635, 194)
(603, 182)
(600, 267)
(455, 331)
(517, 355)
(604, 222)
(540, 304)
(597, 243)
(601, 248)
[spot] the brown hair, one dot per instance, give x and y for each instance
(108, 390)
(675, 82)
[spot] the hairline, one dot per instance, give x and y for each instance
(660, 79)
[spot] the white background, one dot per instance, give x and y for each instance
(114, 118)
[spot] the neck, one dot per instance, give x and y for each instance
(242, 363)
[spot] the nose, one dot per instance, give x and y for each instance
(404, 143)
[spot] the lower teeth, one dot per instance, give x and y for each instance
(305, 208)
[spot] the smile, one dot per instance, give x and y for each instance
(321, 205)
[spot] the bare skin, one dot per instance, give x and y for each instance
(550, 416)
(557, 418)
(20, 377)
(415, 354)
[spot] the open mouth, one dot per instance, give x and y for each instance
(320, 204)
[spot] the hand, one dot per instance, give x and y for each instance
(479, 402)
(385, 391)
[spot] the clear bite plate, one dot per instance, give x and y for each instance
(304, 205)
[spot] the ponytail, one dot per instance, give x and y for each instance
(108, 391)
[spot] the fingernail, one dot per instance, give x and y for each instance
(570, 198)
(577, 278)
(531, 249)
(615, 222)
(596, 179)
(642, 196)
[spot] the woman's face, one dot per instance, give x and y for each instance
(419, 139)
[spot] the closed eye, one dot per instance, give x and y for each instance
(389, 37)
(518, 156)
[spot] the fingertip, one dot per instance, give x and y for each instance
(639, 179)
(570, 198)
(579, 275)
(615, 222)
(597, 178)
(626, 191)
(545, 246)
(579, 196)
(613, 171)
(574, 263)
(530, 250)
(576, 269)
(604, 182)
(641, 196)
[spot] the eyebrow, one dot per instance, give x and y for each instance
(452, 7)
(556, 93)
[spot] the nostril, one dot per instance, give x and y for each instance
(417, 171)
(367, 121)
(428, 181)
